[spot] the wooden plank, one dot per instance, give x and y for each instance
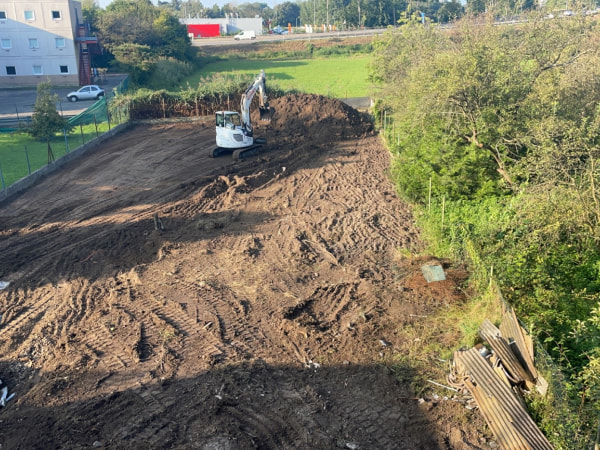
(507, 418)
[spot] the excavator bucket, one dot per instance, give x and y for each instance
(266, 113)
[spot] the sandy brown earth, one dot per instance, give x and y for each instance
(160, 298)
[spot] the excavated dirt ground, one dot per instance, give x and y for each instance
(160, 298)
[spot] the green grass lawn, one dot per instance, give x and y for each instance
(339, 77)
(20, 154)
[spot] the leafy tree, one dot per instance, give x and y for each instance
(45, 120)
(138, 34)
(254, 9)
(287, 12)
(215, 12)
(476, 6)
(504, 122)
(471, 95)
(450, 11)
(172, 36)
(128, 22)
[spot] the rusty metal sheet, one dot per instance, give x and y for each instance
(491, 334)
(510, 422)
(511, 330)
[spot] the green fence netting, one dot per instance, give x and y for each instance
(96, 113)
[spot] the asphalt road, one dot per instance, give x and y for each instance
(17, 104)
(229, 40)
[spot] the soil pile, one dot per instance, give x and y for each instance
(318, 118)
(160, 298)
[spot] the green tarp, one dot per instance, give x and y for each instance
(96, 113)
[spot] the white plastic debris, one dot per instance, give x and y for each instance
(4, 284)
(3, 396)
(384, 343)
(312, 365)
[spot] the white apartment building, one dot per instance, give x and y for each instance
(43, 40)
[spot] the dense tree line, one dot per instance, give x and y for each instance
(141, 39)
(503, 122)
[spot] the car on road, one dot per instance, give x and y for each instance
(248, 34)
(90, 92)
(279, 30)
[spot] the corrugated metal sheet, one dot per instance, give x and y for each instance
(505, 415)
(511, 330)
(491, 334)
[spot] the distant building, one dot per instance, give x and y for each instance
(229, 25)
(44, 40)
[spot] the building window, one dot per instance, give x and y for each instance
(29, 15)
(2, 15)
(64, 69)
(11, 70)
(6, 43)
(56, 15)
(60, 42)
(33, 43)
(37, 70)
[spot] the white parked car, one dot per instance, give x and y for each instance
(91, 92)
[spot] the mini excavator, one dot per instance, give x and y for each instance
(234, 133)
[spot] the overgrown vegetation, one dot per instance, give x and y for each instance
(502, 122)
(218, 93)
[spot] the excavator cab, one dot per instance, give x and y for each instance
(228, 119)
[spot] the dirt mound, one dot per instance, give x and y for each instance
(316, 118)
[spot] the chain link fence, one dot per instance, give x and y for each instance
(21, 155)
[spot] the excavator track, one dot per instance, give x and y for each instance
(241, 153)
(244, 153)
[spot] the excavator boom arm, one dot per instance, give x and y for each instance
(259, 85)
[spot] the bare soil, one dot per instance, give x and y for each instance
(160, 298)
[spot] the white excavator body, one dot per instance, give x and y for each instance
(234, 130)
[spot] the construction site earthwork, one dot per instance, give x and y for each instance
(154, 296)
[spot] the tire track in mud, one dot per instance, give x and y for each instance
(92, 219)
(101, 339)
(237, 339)
(201, 334)
(18, 324)
(156, 404)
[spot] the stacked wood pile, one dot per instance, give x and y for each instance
(496, 379)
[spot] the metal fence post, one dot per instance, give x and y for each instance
(27, 157)
(66, 140)
(2, 178)
(107, 113)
